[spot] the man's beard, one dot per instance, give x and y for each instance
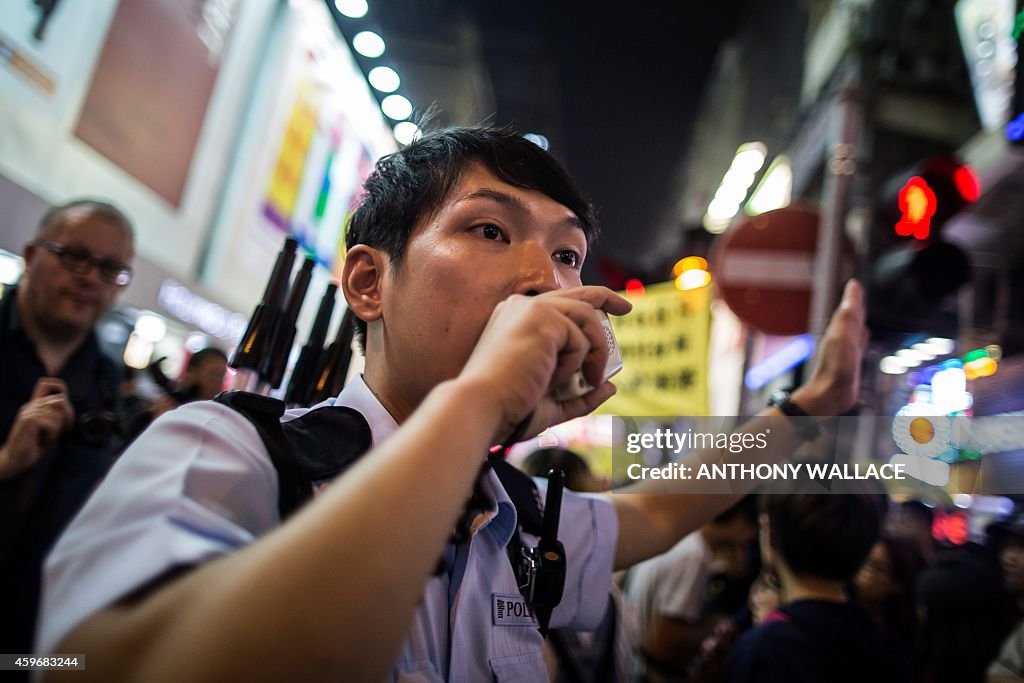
(53, 328)
(60, 331)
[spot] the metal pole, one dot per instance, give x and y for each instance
(839, 175)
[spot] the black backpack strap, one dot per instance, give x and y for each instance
(327, 441)
(293, 488)
(315, 447)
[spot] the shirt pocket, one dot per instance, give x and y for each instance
(422, 671)
(525, 668)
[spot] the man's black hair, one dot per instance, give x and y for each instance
(52, 221)
(919, 510)
(410, 184)
(745, 508)
(824, 536)
(577, 473)
(197, 358)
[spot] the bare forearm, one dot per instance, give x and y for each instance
(328, 594)
(655, 514)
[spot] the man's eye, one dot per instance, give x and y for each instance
(569, 258)
(75, 255)
(490, 232)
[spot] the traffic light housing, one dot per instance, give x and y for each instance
(913, 276)
(918, 201)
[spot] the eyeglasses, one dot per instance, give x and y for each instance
(79, 261)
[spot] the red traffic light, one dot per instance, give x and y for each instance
(937, 188)
(967, 184)
(918, 204)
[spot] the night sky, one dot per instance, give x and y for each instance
(627, 77)
(633, 82)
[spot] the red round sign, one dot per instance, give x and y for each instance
(764, 268)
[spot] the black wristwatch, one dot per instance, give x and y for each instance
(805, 426)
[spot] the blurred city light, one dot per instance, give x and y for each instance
(406, 132)
(750, 158)
(924, 350)
(151, 327)
(933, 472)
(634, 287)
(941, 346)
(967, 183)
(396, 107)
(384, 78)
(735, 185)
(11, 266)
(891, 365)
(689, 263)
(918, 203)
(354, 9)
(775, 189)
(796, 351)
(368, 44)
(693, 279)
(909, 357)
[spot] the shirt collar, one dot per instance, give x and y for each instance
(502, 525)
(357, 395)
(502, 520)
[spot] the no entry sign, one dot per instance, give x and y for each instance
(764, 268)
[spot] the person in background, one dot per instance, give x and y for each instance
(1009, 664)
(202, 379)
(961, 609)
(815, 544)
(913, 519)
(1006, 539)
(204, 375)
(59, 393)
(762, 600)
(669, 590)
(884, 586)
(578, 475)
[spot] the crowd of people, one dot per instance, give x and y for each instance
(817, 588)
(206, 545)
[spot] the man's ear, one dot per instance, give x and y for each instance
(361, 280)
(29, 251)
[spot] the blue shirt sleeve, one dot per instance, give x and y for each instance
(196, 485)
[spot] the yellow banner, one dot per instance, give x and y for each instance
(664, 343)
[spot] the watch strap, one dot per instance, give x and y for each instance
(805, 426)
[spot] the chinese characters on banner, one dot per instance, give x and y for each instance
(664, 344)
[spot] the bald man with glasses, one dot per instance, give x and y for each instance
(58, 393)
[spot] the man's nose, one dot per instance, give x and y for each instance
(89, 273)
(537, 271)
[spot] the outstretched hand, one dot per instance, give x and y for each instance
(834, 385)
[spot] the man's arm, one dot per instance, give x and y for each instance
(327, 592)
(330, 593)
(651, 519)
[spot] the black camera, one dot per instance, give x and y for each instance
(94, 425)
